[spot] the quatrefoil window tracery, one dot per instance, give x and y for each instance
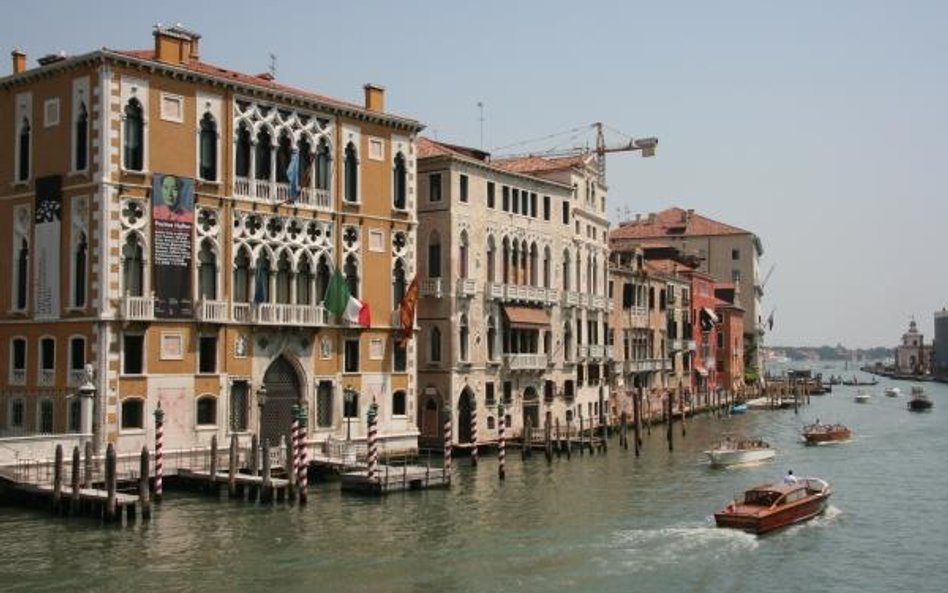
(133, 213)
(208, 221)
(399, 243)
(350, 237)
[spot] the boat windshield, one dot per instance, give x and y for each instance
(761, 497)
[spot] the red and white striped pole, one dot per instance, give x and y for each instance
(372, 417)
(447, 443)
(294, 445)
(302, 477)
(473, 431)
(159, 451)
(502, 443)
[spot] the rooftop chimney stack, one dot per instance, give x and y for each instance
(374, 97)
(175, 44)
(18, 57)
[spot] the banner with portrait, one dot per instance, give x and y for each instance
(48, 220)
(172, 199)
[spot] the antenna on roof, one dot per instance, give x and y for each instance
(273, 65)
(480, 106)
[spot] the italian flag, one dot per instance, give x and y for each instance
(358, 312)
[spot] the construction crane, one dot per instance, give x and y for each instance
(763, 283)
(644, 145)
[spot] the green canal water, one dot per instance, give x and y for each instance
(602, 523)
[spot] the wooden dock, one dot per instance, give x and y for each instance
(395, 479)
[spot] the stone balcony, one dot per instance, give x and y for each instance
(280, 314)
(466, 287)
(278, 193)
(526, 362)
(137, 308)
(431, 287)
(522, 293)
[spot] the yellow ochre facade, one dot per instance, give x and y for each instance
(158, 251)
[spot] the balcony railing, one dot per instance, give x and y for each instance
(582, 351)
(467, 287)
(596, 351)
(690, 345)
(241, 313)
(526, 362)
(278, 193)
(495, 290)
(570, 299)
(76, 377)
(643, 365)
(209, 311)
(431, 287)
(610, 352)
(18, 377)
(597, 302)
(137, 308)
(46, 377)
(280, 314)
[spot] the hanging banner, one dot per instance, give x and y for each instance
(48, 218)
(172, 201)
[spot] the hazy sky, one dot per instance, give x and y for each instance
(818, 125)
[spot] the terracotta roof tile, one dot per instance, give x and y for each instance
(540, 164)
(673, 222)
(248, 79)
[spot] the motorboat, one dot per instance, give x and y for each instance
(740, 408)
(893, 392)
(821, 434)
(862, 397)
(767, 507)
(919, 402)
(739, 452)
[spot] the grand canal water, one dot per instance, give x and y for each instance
(601, 523)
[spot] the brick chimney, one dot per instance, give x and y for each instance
(374, 97)
(18, 57)
(175, 44)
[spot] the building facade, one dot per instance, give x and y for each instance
(174, 227)
(913, 355)
(512, 303)
(727, 253)
(941, 345)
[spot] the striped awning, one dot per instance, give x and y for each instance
(526, 317)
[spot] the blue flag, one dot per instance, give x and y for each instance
(293, 175)
(261, 284)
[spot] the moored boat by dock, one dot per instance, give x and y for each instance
(919, 402)
(862, 397)
(767, 507)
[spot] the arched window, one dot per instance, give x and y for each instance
(133, 413)
(400, 182)
(589, 275)
(352, 275)
(491, 338)
(595, 272)
(23, 169)
(261, 279)
(75, 415)
(207, 410)
(82, 139)
(80, 255)
(514, 264)
(304, 282)
(534, 261)
(208, 149)
(398, 283)
(323, 166)
(491, 256)
(463, 340)
(399, 403)
(263, 151)
(435, 345)
(283, 275)
(505, 261)
(242, 276)
(45, 416)
(77, 358)
(462, 255)
(567, 341)
(490, 423)
(322, 278)
(352, 173)
(207, 272)
(242, 159)
(134, 148)
(133, 266)
(284, 153)
(547, 267)
(17, 413)
(524, 263)
(306, 164)
(434, 255)
(22, 274)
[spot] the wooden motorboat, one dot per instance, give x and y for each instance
(893, 392)
(740, 408)
(819, 434)
(862, 398)
(767, 507)
(919, 402)
(739, 451)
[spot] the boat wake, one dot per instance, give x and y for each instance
(648, 549)
(828, 518)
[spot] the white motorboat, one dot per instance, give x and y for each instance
(862, 397)
(893, 392)
(739, 452)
